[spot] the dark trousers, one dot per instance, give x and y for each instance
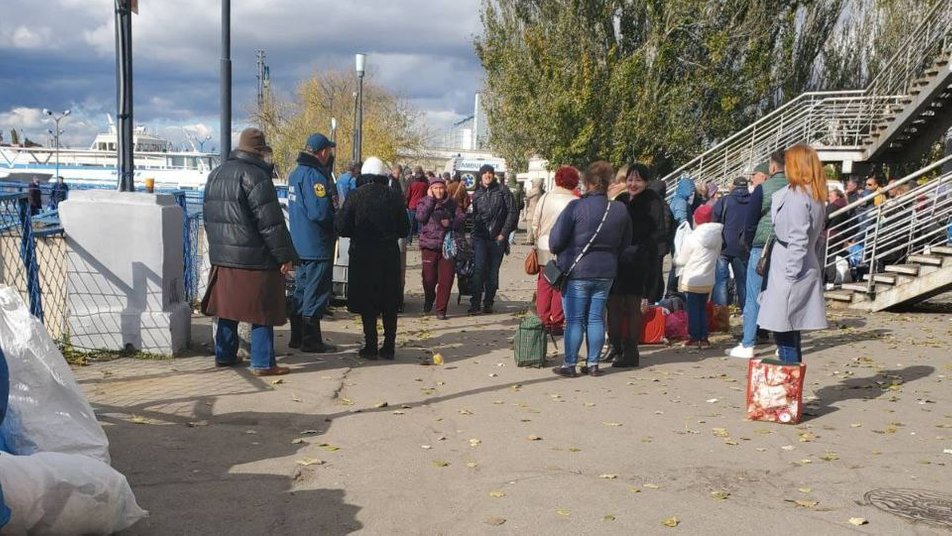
(438, 276)
(696, 304)
(369, 321)
(313, 284)
(737, 263)
(488, 254)
(789, 346)
(414, 224)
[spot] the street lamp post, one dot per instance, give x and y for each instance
(353, 135)
(360, 62)
(56, 132)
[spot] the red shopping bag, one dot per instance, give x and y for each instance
(775, 391)
(718, 318)
(653, 326)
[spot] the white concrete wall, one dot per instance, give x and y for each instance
(125, 274)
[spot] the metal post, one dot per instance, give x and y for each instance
(28, 257)
(225, 81)
(871, 284)
(353, 140)
(360, 116)
(124, 113)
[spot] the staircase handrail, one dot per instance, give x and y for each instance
(936, 26)
(765, 119)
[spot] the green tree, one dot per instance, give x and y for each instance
(660, 80)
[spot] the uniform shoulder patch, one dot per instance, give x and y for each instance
(319, 190)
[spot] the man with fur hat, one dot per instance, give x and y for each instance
(250, 251)
(374, 218)
(311, 212)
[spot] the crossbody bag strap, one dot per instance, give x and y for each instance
(590, 240)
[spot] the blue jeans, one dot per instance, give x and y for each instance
(262, 344)
(696, 305)
(788, 346)
(584, 302)
(487, 258)
(751, 307)
(722, 275)
(414, 224)
(312, 287)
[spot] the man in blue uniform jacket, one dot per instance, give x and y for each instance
(311, 213)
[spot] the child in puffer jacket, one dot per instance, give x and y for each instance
(698, 259)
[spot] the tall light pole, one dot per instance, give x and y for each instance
(225, 81)
(360, 63)
(353, 136)
(56, 131)
(124, 108)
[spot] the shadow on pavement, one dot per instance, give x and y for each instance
(199, 473)
(866, 388)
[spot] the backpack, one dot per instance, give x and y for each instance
(530, 345)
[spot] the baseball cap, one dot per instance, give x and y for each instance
(740, 181)
(316, 142)
(763, 167)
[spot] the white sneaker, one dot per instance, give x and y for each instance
(741, 351)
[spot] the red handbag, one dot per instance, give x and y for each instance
(775, 391)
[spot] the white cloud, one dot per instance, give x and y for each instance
(24, 38)
(22, 117)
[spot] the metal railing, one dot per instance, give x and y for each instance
(833, 121)
(33, 261)
(875, 234)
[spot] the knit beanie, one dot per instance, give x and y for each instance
(703, 214)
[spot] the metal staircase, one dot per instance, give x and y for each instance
(899, 115)
(902, 244)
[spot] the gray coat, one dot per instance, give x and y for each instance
(793, 300)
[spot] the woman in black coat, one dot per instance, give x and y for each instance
(375, 218)
(636, 267)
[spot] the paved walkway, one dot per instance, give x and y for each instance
(478, 446)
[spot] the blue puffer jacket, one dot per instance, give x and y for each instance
(311, 209)
(575, 228)
(680, 202)
(731, 210)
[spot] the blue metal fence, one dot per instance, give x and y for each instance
(18, 260)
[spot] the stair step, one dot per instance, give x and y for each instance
(885, 279)
(855, 287)
(930, 260)
(839, 295)
(905, 269)
(940, 250)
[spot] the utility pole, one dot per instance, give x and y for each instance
(225, 80)
(360, 60)
(124, 146)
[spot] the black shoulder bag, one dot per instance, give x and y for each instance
(554, 275)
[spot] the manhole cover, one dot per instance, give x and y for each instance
(914, 504)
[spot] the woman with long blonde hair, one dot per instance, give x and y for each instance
(793, 299)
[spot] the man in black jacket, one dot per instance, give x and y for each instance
(250, 250)
(495, 214)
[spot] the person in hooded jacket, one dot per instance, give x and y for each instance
(437, 215)
(698, 258)
(731, 210)
(637, 265)
(495, 215)
(682, 210)
(311, 212)
(250, 251)
(374, 218)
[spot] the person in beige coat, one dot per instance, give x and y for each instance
(532, 200)
(546, 213)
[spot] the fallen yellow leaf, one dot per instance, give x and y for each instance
(563, 512)
(608, 476)
(671, 522)
(310, 461)
(497, 494)
(858, 521)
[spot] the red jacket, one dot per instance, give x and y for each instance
(416, 191)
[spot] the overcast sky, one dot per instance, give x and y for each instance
(60, 54)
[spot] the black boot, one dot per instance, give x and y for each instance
(389, 349)
(312, 340)
(295, 322)
(369, 351)
(630, 357)
(615, 350)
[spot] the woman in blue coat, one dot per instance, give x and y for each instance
(793, 299)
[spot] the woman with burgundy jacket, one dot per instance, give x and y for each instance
(437, 214)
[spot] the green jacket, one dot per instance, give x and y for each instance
(765, 225)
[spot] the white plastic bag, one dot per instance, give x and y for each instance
(52, 493)
(47, 411)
